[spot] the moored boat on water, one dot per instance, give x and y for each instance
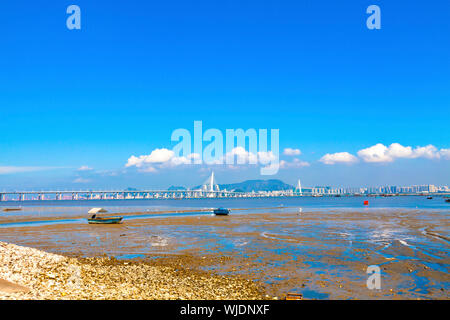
(221, 212)
(11, 209)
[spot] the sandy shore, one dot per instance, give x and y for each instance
(28, 273)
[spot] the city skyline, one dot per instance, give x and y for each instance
(211, 184)
(216, 192)
(96, 107)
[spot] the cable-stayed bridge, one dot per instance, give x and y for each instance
(209, 189)
(141, 194)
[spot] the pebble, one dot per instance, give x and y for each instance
(51, 276)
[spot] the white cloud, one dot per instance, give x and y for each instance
(134, 161)
(148, 169)
(381, 153)
(396, 150)
(13, 169)
(176, 161)
(445, 153)
(156, 156)
(429, 152)
(81, 180)
(159, 156)
(85, 168)
(157, 159)
(241, 155)
(193, 156)
(376, 153)
(164, 158)
(266, 157)
(292, 152)
(339, 157)
(296, 163)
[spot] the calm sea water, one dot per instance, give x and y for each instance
(50, 208)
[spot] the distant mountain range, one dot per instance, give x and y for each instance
(174, 188)
(251, 185)
(257, 185)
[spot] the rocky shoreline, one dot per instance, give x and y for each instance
(28, 273)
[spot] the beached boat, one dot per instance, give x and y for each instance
(104, 220)
(12, 209)
(294, 296)
(221, 212)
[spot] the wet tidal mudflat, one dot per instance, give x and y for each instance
(322, 253)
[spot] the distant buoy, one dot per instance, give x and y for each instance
(366, 202)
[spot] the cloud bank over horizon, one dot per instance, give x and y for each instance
(376, 163)
(379, 153)
(161, 158)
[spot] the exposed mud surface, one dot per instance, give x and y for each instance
(324, 254)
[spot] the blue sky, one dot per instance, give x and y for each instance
(137, 70)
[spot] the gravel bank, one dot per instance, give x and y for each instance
(51, 276)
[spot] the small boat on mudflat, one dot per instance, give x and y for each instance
(12, 209)
(221, 212)
(104, 220)
(294, 296)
